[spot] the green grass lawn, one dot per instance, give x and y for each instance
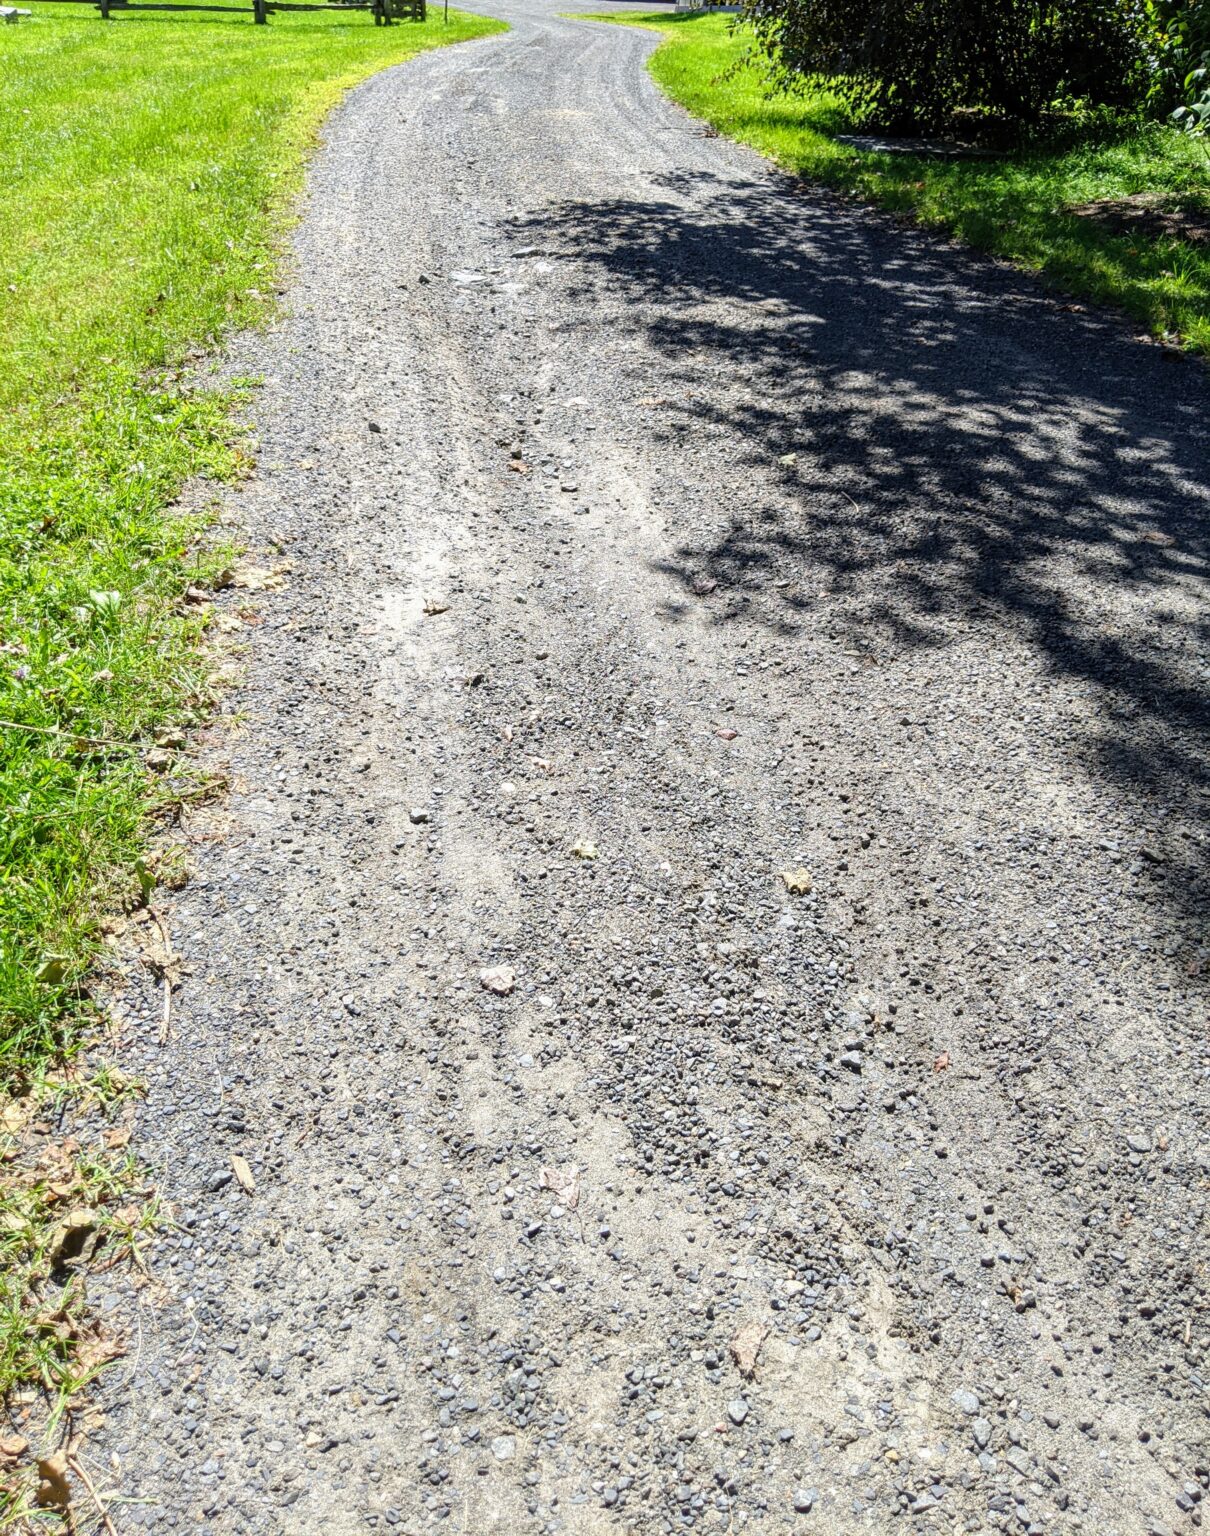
(1016, 207)
(145, 185)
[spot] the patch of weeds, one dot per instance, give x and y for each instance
(66, 1208)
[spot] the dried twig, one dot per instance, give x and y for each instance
(56, 730)
(166, 1021)
(169, 961)
(77, 1467)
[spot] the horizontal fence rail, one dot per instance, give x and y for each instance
(384, 11)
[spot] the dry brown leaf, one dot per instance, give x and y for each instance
(433, 605)
(12, 1446)
(500, 979)
(506, 732)
(54, 1491)
(543, 763)
(261, 578)
(116, 1136)
(563, 1183)
(70, 1239)
(746, 1346)
(726, 734)
(941, 1062)
(98, 1349)
(704, 585)
(12, 1117)
(798, 881)
(518, 466)
(156, 954)
(243, 1173)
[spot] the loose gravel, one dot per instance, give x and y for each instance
(768, 537)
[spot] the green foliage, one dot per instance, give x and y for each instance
(1193, 115)
(918, 62)
(1020, 206)
(1180, 80)
(148, 170)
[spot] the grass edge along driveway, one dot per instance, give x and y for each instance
(150, 173)
(147, 188)
(1017, 207)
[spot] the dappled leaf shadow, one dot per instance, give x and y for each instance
(968, 451)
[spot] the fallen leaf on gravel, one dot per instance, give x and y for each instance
(652, 400)
(746, 1346)
(563, 1183)
(54, 1489)
(798, 881)
(243, 1173)
(197, 595)
(261, 578)
(1152, 536)
(941, 1062)
(704, 585)
(12, 1117)
(518, 466)
(584, 849)
(432, 605)
(500, 979)
(12, 1446)
(543, 763)
(98, 1349)
(70, 1239)
(726, 734)
(506, 731)
(787, 458)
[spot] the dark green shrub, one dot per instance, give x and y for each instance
(918, 62)
(1182, 82)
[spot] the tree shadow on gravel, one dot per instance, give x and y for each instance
(969, 452)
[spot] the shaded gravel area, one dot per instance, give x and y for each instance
(767, 537)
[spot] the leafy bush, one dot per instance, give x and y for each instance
(1183, 81)
(918, 62)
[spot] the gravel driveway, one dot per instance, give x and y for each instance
(838, 1160)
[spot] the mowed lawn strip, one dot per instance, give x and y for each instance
(1017, 207)
(149, 169)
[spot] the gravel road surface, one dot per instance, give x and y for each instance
(838, 1160)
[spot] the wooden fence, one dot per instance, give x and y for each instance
(384, 11)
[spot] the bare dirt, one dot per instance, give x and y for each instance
(767, 538)
(1149, 216)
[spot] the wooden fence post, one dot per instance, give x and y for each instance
(259, 13)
